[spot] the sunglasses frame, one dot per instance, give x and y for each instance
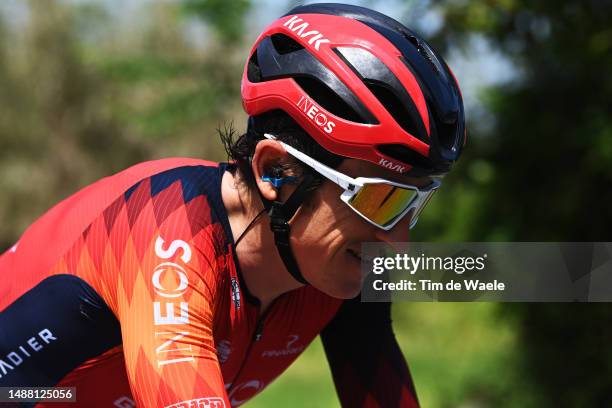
(352, 186)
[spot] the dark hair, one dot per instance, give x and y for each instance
(280, 124)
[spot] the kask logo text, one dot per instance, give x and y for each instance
(392, 166)
(300, 29)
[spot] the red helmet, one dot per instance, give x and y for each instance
(361, 85)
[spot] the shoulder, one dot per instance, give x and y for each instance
(177, 189)
(108, 198)
(177, 166)
(157, 180)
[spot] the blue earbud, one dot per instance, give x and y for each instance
(279, 181)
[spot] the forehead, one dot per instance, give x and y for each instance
(360, 168)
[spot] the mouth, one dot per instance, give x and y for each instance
(359, 256)
(354, 254)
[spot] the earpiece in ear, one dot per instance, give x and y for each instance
(279, 181)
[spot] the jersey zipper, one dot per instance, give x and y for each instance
(258, 330)
(257, 335)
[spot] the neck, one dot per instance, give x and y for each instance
(262, 268)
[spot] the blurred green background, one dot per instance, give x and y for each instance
(88, 88)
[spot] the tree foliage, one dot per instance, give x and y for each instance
(82, 96)
(543, 172)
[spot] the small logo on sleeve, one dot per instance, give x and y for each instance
(235, 293)
(224, 349)
(210, 402)
(124, 402)
(290, 348)
(23, 352)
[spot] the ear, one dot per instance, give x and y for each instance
(268, 153)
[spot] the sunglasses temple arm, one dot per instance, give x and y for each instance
(340, 179)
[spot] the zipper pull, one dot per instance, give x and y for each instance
(259, 330)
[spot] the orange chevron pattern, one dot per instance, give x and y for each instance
(155, 243)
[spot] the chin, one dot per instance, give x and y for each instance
(340, 279)
(346, 284)
(346, 291)
(339, 287)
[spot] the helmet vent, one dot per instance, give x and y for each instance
(448, 134)
(425, 52)
(284, 44)
(412, 39)
(328, 99)
(253, 69)
(394, 106)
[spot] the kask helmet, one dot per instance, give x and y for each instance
(361, 85)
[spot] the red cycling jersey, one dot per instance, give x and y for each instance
(131, 292)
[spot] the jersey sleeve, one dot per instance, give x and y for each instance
(167, 337)
(138, 259)
(367, 365)
(165, 297)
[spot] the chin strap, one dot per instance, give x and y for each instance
(280, 214)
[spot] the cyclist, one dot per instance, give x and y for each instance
(186, 283)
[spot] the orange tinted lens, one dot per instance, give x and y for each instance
(382, 203)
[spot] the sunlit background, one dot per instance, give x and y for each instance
(88, 88)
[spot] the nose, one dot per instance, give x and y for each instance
(399, 233)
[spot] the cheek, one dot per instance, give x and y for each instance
(329, 214)
(321, 234)
(349, 276)
(343, 278)
(318, 217)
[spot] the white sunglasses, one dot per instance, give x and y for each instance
(381, 202)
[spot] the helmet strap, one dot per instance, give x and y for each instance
(248, 228)
(280, 213)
